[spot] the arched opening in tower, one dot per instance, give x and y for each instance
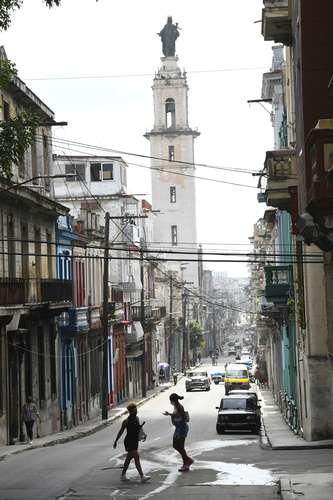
(170, 113)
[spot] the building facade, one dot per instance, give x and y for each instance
(32, 297)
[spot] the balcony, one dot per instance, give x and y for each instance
(136, 313)
(151, 314)
(278, 283)
(15, 291)
(55, 290)
(116, 311)
(94, 317)
(12, 291)
(276, 22)
(77, 321)
(319, 170)
(280, 166)
(131, 286)
(135, 332)
(158, 313)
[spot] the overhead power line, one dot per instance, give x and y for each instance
(140, 75)
(181, 174)
(173, 163)
(174, 251)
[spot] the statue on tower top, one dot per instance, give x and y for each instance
(169, 34)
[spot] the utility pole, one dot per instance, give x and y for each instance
(105, 318)
(170, 322)
(214, 329)
(142, 317)
(185, 354)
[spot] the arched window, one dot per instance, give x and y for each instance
(170, 113)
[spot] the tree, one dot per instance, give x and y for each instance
(18, 133)
(7, 8)
(196, 335)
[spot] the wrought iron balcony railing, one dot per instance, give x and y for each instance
(278, 283)
(15, 291)
(12, 291)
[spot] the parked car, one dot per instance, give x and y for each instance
(236, 377)
(238, 412)
(217, 376)
(244, 392)
(197, 380)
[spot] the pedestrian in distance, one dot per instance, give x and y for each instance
(133, 430)
(180, 418)
(29, 416)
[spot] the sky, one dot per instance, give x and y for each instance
(221, 48)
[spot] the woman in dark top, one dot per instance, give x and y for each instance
(179, 419)
(131, 442)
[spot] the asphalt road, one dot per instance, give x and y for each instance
(231, 466)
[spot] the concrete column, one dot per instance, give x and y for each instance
(318, 421)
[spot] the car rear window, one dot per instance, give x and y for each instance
(237, 404)
(236, 374)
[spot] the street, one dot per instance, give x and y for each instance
(233, 465)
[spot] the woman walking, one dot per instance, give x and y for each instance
(132, 426)
(179, 418)
(29, 416)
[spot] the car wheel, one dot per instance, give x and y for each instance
(219, 429)
(208, 388)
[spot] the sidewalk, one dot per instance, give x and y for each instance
(89, 427)
(316, 486)
(278, 433)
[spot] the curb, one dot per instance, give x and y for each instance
(79, 434)
(286, 489)
(307, 445)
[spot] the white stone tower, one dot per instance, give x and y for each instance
(172, 140)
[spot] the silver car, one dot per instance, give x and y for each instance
(197, 380)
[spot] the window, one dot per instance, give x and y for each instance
(101, 172)
(171, 149)
(170, 113)
(107, 171)
(174, 235)
(75, 172)
(38, 252)
(25, 250)
(34, 170)
(6, 111)
(49, 255)
(11, 247)
(172, 194)
(46, 159)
